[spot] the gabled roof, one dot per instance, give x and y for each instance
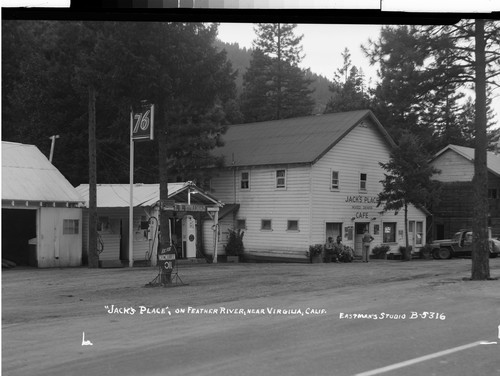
(28, 175)
(118, 195)
(492, 159)
(289, 141)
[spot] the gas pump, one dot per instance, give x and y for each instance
(189, 236)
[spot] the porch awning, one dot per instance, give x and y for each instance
(228, 209)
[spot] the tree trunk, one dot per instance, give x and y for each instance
(93, 257)
(407, 253)
(480, 252)
(278, 99)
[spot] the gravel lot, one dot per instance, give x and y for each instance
(38, 294)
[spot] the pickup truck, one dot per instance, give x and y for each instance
(461, 245)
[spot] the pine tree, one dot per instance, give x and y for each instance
(474, 47)
(274, 86)
(348, 88)
(408, 179)
(423, 70)
(175, 64)
(398, 97)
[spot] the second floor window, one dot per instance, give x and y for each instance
(280, 178)
(362, 182)
(335, 180)
(245, 180)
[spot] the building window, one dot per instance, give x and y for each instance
(281, 179)
(207, 184)
(102, 224)
(241, 224)
(292, 225)
(362, 182)
(419, 240)
(389, 232)
(493, 193)
(245, 180)
(70, 227)
(266, 225)
(335, 180)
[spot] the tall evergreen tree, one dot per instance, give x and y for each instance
(403, 85)
(274, 81)
(474, 48)
(348, 89)
(424, 74)
(175, 64)
(408, 179)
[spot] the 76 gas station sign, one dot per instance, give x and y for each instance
(143, 122)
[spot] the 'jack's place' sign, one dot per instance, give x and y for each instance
(362, 199)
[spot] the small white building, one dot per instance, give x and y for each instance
(190, 212)
(299, 181)
(41, 217)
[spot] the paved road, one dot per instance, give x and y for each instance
(316, 333)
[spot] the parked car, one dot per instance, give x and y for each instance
(461, 245)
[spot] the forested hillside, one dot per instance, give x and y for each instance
(240, 58)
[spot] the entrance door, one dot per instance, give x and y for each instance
(358, 239)
(18, 227)
(411, 234)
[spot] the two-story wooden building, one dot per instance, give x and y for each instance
(455, 208)
(299, 181)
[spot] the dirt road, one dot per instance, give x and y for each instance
(236, 318)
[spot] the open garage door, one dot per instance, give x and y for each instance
(18, 227)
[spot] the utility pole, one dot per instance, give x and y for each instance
(93, 256)
(52, 145)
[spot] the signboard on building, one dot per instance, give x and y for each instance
(191, 208)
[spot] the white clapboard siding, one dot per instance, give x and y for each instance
(109, 239)
(263, 201)
(56, 249)
(360, 151)
(454, 167)
(114, 239)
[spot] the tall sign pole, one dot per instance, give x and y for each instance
(166, 254)
(131, 207)
(141, 129)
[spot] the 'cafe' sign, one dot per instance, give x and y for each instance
(364, 201)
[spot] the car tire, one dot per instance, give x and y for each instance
(435, 254)
(442, 253)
